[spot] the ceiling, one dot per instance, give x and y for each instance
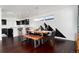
(27, 11)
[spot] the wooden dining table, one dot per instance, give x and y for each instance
(39, 31)
(36, 38)
(33, 37)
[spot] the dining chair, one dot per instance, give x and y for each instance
(41, 27)
(49, 37)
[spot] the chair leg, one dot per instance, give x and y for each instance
(54, 41)
(51, 41)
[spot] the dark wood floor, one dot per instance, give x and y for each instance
(13, 45)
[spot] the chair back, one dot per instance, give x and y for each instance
(41, 28)
(51, 34)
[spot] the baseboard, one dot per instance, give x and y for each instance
(56, 37)
(59, 37)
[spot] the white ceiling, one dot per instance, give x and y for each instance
(26, 11)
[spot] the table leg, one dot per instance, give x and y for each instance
(35, 44)
(38, 42)
(42, 41)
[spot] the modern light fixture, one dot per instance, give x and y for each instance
(49, 17)
(39, 19)
(43, 18)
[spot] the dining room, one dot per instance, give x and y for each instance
(38, 28)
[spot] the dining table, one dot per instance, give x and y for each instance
(36, 38)
(39, 31)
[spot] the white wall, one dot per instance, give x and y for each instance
(78, 20)
(0, 26)
(65, 20)
(78, 23)
(11, 23)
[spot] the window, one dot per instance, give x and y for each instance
(3, 21)
(44, 18)
(23, 22)
(26, 22)
(18, 22)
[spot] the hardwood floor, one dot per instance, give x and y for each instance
(14, 45)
